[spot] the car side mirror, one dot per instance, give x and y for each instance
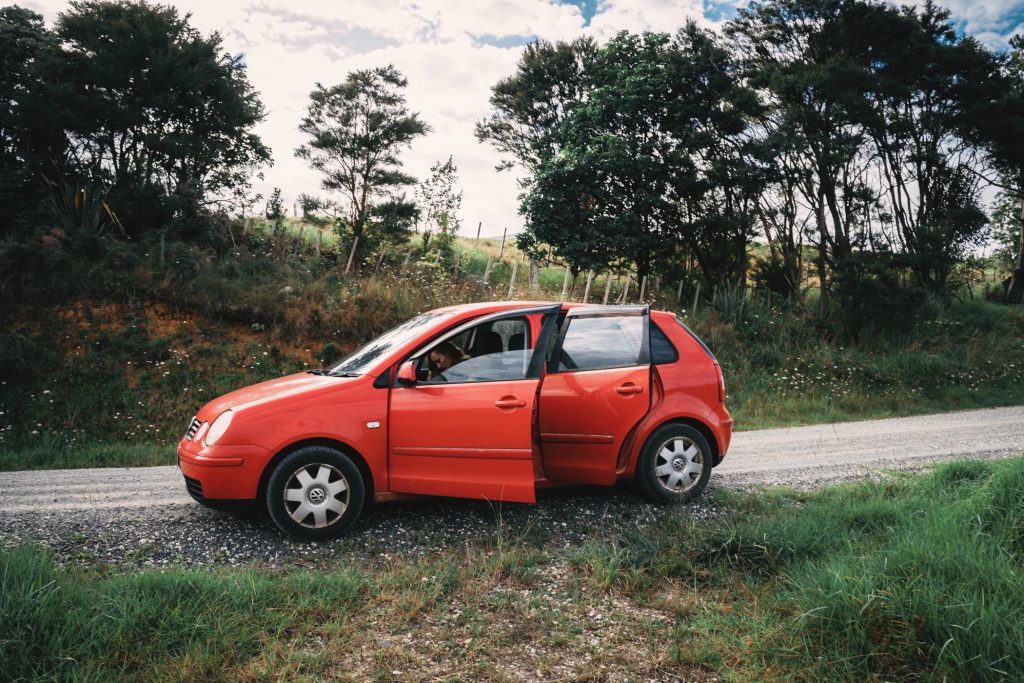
(407, 373)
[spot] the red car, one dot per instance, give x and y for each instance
(489, 400)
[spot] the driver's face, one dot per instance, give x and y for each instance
(442, 361)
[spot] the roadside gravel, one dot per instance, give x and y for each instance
(141, 517)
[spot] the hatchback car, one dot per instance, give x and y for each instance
(487, 400)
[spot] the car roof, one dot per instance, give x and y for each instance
(484, 307)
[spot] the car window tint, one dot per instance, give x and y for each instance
(602, 342)
(662, 350)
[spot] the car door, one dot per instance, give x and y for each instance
(598, 387)
(468, 432)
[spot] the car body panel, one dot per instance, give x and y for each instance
(584, 420)
(470, 440)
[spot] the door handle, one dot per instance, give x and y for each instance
(629, 388)
(510, 402)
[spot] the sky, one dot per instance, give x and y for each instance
(451, 52)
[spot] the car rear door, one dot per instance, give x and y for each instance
(597, 388)
(471, 435)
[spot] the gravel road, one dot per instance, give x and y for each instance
(143, 517)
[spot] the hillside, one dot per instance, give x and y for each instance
(107, 365)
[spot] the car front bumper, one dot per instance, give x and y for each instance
(221, 472)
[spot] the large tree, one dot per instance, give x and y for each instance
(804, 56)
(26, 141)
(997, 125)
(151, 107)
(923, 81)
(649, 159)
(357, 130)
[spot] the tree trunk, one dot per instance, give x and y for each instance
(824, 311)
(1015, 292)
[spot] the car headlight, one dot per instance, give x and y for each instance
(219, 426)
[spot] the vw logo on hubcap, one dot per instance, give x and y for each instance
(677, 464)
(317, 495)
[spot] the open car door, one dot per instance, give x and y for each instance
(468, 431)
(598, 387)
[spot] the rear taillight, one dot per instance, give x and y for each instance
(721, 383)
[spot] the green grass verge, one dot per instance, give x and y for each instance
(913, 578)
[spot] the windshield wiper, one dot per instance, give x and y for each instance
(343, 374)
(317, 372)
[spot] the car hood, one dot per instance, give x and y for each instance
(274, 389)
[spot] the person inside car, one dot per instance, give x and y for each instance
(444, 356)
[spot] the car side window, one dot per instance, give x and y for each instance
(662, 351)
(601, 342)
(491, 351)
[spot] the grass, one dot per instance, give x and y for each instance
(913, 578)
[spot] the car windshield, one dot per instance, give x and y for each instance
(358, 362)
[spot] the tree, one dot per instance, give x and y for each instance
(150, 108)
(804, 55)
(923, 79)
(648, 160)
(531, 105)
(275, 213)
(25, 141)
(356, 130)
(440, 204)
(997, 126)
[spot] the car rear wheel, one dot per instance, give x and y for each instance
(675, 464)
(315, 492)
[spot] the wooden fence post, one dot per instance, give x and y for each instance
(478, 226)
(565, 284)
(352, 255)
(643, 289)
(487, 268)
(512, 280)
(625, 289)
(380, 260)
(501, 252)
(696, 295)
(405, 263)
(607, 288)
(679, 294)
(586, 290)
(455, 268)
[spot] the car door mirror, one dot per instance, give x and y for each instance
(407, 373)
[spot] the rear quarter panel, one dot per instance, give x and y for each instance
(686, 390)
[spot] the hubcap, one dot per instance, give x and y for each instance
(678, 465)
(316, 495)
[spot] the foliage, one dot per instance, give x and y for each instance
(648, 161)
(440, 203)
(151, 109)
(356, 131)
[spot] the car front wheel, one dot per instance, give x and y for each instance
(315, 493)
(675, 464)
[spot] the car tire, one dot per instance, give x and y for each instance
(315, 493)
(674, 465)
